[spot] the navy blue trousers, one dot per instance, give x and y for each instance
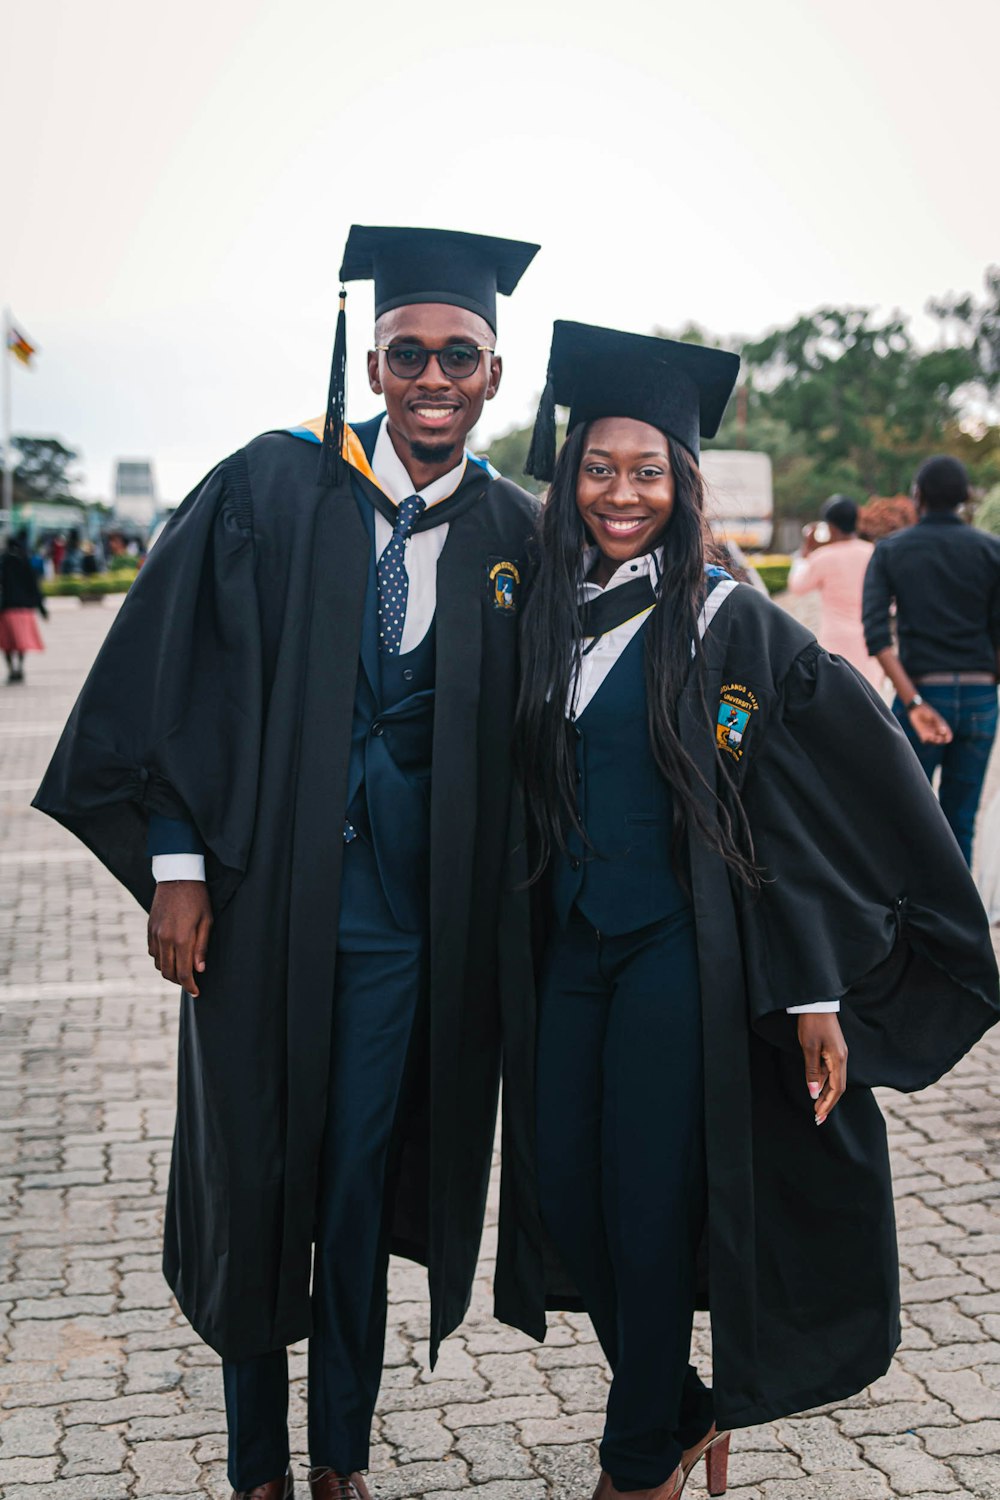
(621, 1166)
(970, 710)
(377, 1051)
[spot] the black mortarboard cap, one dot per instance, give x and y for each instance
(435, 265)
(418, 265)
(601, 372)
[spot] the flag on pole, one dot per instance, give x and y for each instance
(19, 346)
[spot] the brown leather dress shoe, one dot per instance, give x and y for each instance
(326, 1484)
(275, 1489)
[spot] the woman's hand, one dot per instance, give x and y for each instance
(825, 1052)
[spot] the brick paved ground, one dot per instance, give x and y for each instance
(107, 1393)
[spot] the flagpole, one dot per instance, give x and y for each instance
(7, 506)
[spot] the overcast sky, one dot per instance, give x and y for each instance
(179, 179)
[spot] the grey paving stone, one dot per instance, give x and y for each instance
(570, 1470)
(93, 1451)
(819, 1444)
(84, 1487)
(580, 1388)
(978, 1477)
(413, 1481)
(28, 1433)
(165, 1467)
(965, 1393)
(894, 1416)
(502, 1409)
(499, 1489)
(910, 1470)
(493, 1453)
(416, 1435)
(969, 1438)
(848, 1485)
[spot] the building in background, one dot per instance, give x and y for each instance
(740, 499)
(134, 500)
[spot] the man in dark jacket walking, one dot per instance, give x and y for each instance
(944, 578)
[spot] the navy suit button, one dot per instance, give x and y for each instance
(408, 675)
(574, 863)
(579, 777)
(377, 729)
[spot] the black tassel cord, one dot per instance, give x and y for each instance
(541, 460)
(331, 463)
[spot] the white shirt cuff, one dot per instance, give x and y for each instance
(178, 867)
(818, 1007)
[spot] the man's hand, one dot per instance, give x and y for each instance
(928, 725)
(180, 921)
(825, 1053)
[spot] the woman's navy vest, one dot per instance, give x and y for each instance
(626, 879)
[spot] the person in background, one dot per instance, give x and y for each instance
(836, 569)
(57, 552)
(20, 597)
(944, 578)
(72, 558)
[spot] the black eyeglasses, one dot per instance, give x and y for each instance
(457, 361)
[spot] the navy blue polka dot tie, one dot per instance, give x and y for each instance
(393, 579)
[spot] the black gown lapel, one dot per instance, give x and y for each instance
(728, 1106)
(340, 559)
(461, 583)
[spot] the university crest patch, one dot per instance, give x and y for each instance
(735, 708)
(503, 580)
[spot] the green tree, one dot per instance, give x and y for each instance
(509, 451)
(43, 472)
(844, 400)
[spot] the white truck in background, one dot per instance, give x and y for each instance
(740, 499)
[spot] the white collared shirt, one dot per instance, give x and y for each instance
(422, 552)
(424, 547)
(602, 656)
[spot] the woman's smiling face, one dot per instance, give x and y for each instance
(625, 488)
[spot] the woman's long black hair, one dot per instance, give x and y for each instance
(551, 653)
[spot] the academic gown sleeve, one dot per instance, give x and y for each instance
(866, 893)
(169, 719)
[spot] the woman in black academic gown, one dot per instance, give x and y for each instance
(728, 910)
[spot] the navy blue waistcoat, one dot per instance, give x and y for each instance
(626, 880)
(388, 795)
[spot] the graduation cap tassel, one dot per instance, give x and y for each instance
(541, 460)
(331, 464)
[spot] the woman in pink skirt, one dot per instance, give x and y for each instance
(837, 569)
(20, 597)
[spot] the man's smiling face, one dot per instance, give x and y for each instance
(432, 413)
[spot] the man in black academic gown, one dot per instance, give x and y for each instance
(314, 749)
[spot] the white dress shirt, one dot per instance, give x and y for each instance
(424, 547)
(602, 656)
(422, 552)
